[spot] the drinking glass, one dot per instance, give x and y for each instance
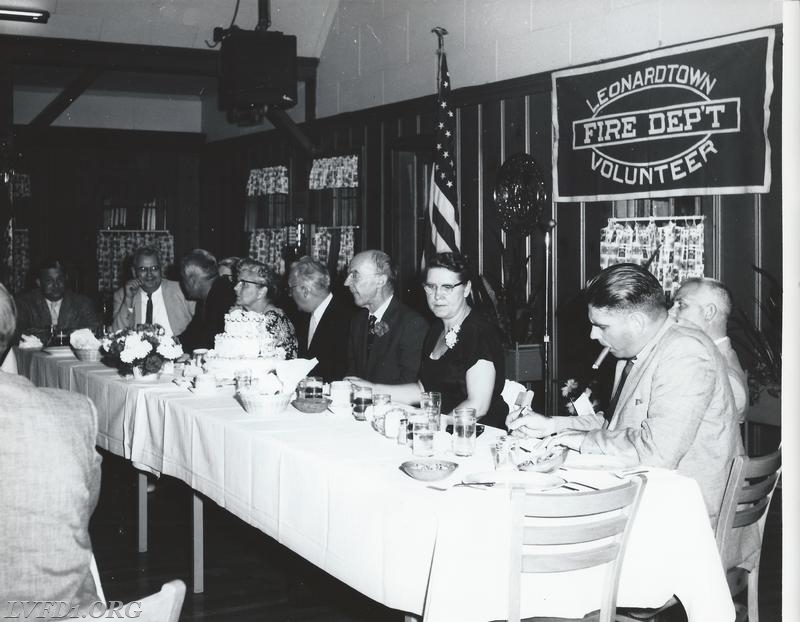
(422, 439)
(431, 404)
(381, 402)
(313, 388)
(501, 450)
(341, 392)
(362, 401)
(464, 420)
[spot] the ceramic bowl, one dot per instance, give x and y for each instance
(311, 405)
(428, 470)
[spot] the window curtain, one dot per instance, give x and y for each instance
(678, 249)
(16, 258)
(268, 180)
(266, 246)
(334, 247)
(114, 247)
(337, 172)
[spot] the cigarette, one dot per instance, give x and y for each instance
(600, 357)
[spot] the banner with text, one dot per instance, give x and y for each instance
(687, 120)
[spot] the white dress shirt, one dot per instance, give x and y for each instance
(316, 316)
(159, 310)
(382, 309)
(55, 309)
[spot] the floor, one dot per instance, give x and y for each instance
(250, 577)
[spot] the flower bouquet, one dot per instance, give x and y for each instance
(577, 398)
(141, 351)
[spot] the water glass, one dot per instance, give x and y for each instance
(422, 439)
(431, 404)
(381, 402)
(464, 421)
(341, 392)
(501, 451)
(313, 388)
(362, 402)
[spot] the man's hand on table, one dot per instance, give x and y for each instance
(530, 424)
(572, 439)
(360, 382)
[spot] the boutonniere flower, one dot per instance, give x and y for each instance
(381, 328)
(451, 336)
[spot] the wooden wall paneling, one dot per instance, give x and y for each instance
(376, 228)
(569, 315)
(737, 221)
(391, 131)
(490, 158)
(468, 166)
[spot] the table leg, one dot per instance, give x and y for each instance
(142, 512)
(197, 543)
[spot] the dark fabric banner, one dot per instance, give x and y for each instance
(686, 120)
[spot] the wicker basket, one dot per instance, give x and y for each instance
(256, 404)
(87, 355)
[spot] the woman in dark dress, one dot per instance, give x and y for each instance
(462, 357)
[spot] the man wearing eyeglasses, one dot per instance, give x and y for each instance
(148, 298)
(386, 338)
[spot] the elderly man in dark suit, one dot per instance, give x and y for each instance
(214, 296)
(50, 474)
(323, 331)
(386, 338)
(148, 298)
(52, 304)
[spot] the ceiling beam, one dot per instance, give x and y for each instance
(64, 99)
(52, 52)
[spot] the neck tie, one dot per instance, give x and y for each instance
(371, 331)
(148, 314)
(612, 405)
(53, 312)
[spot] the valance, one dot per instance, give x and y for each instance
(337, 172)
(678, 248)
(114, 247)
(268, 180)
(16, 258)
(20, 186)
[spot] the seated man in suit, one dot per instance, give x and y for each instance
(51, 304)
(148, 298)
(214, 296)
(672, 404)
(323, 330)
(385, 344)
(50, 473)
(706, 304)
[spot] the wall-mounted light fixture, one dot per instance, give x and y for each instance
(15, 14)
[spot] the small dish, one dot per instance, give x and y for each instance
(545, 461)
(428, 470)
(306, 405)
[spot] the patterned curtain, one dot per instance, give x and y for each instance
(334, 247)
(113, 247)
(269, 180)
(338, 172)
(17, 259)
(678, 249)
(20, 186)
(266, 245)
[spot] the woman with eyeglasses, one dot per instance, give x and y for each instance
(462, 356)
(253, 288)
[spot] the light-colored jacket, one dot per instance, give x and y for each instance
(676, 410)
(179, 310)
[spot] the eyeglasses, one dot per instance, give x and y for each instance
(356, 276)
(251, 283)
(148, 269)
(445, 288)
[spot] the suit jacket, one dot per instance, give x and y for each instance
(33, 314)
(395, 356)
(209, 316)
(50, 473)
(676, 410)
(736, 375)
(329, 344)
(179, 310)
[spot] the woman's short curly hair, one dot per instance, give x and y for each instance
(454, 262)
(261, 271)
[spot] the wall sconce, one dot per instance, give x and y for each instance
(13, 14)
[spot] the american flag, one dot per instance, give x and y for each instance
(443, 219)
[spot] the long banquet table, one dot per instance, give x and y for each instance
(330, 489)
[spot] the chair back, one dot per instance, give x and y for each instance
(163, 606)
(599, 521)
(747, 496)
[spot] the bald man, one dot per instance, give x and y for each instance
(706, 303)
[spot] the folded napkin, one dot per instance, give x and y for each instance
(30, 341)
(84, 339)
(293, 371)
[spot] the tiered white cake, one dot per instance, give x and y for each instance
(246, 345)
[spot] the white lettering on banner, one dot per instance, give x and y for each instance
(683, 75)
(680, 120)
(647, 174)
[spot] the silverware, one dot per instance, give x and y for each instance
(466, 484)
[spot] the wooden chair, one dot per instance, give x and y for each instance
(745, 502)
(163, 606)
(604, 532)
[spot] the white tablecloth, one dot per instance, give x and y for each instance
(330, 489)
